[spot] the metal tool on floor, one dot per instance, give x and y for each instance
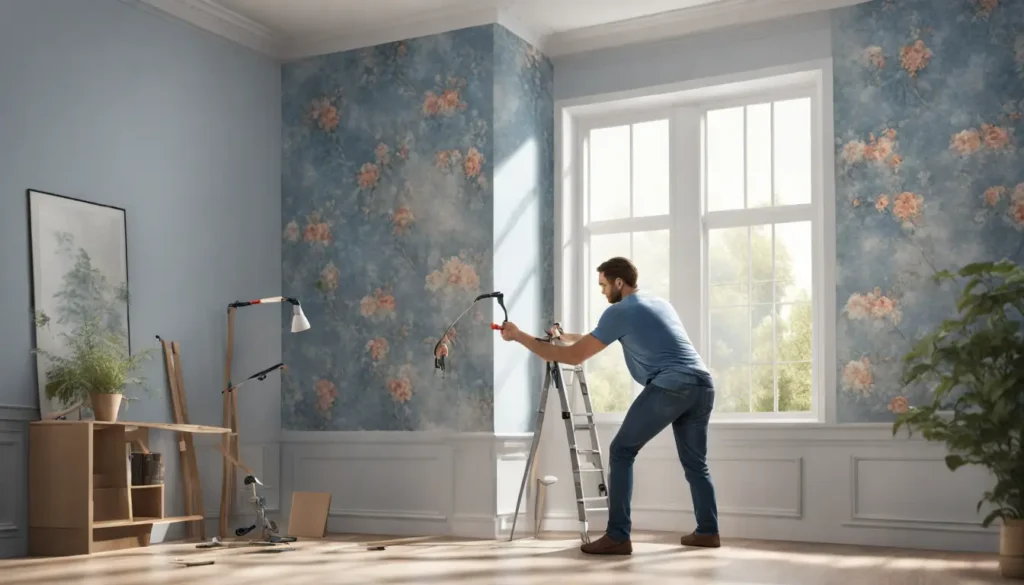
(553, 376)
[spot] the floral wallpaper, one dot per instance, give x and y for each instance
(928, 99)
(388, 204)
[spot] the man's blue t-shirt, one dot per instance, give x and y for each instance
(654, 342)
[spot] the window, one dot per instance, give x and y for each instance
(719, 204)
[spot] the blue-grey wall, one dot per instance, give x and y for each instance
(109, 102)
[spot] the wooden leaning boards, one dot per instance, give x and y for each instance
(189, 467)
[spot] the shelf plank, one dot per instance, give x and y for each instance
(139, 521)
(129, 425)
(142, 487)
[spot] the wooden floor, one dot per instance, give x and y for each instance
(656, 559)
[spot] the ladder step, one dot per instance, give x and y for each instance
(588, 451)
(590, 469)
(583, 426)
(593, 499)
(596, 509)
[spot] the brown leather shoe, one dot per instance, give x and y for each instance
(606, 546)
(705, 540)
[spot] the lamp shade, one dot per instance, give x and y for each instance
(299, 321)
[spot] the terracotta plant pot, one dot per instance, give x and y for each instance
(1011, 549)
(105, 406)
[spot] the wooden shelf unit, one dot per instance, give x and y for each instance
(81, 498)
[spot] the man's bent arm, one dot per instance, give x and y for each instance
(583, 349)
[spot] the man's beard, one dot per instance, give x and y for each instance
(616, 296)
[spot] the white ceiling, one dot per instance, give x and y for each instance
(289, 29)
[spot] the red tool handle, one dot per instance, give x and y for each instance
(495, 327)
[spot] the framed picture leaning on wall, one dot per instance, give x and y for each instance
(79, 258)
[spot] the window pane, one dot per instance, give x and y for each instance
(793, 265)
(795, 387)
(793, 332)
(725, 159)
(761, 269)
(759, 155)
(732, 388)
(609, 173)
(650, 168)
(762, 389)
(652, 258)
(729, 336)
(762, 337)
(728, 251)
(792, 150)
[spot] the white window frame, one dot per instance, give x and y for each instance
(687, 221)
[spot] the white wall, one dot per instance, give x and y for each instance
(824, 483)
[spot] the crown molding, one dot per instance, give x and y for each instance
(220, 21)
(679, 23)
(210, 16)
(439, 22)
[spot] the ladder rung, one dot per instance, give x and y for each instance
(583, 414)
(590, 469)
(583, 426)
(595, 509)
(592, 499)
(588, 451)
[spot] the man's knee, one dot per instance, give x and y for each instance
(620, 450)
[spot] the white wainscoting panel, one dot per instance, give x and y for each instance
(854, 484)
(14, 479)
(405, 483)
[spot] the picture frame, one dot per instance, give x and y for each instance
(79, 266)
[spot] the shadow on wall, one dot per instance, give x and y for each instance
(391, 204)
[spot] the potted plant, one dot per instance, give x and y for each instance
(96, 370)
(974, 362)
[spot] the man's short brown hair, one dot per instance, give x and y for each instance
(619, 267)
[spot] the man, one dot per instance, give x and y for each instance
(678, 390)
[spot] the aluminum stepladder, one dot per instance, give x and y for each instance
(553, 376)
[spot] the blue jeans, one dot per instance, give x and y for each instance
(687, 408)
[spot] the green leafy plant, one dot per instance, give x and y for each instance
(97, 361)
(974, 362)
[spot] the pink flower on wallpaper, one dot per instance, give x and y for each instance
(966, 142)
(993, 195)
(402, 218)
(368, 306)
(455, 274)
(316, 230)
(378, 348)
(383, 154)
(329, 277)
(369, 174)
(899, 405)
(853, 152)
(474, 162)
(380, 302)
(445, 104)
(431, 104)
(881, 202)
(326, 394)
(907, 207)
(325, 114)
(872, 306)
(444, 159)
(400, 385)
(873, 56)
(857, 376)
(915, 57)
(996, 137)
(292, 232)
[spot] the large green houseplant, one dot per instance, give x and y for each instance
(96, 368)
(974, 363)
